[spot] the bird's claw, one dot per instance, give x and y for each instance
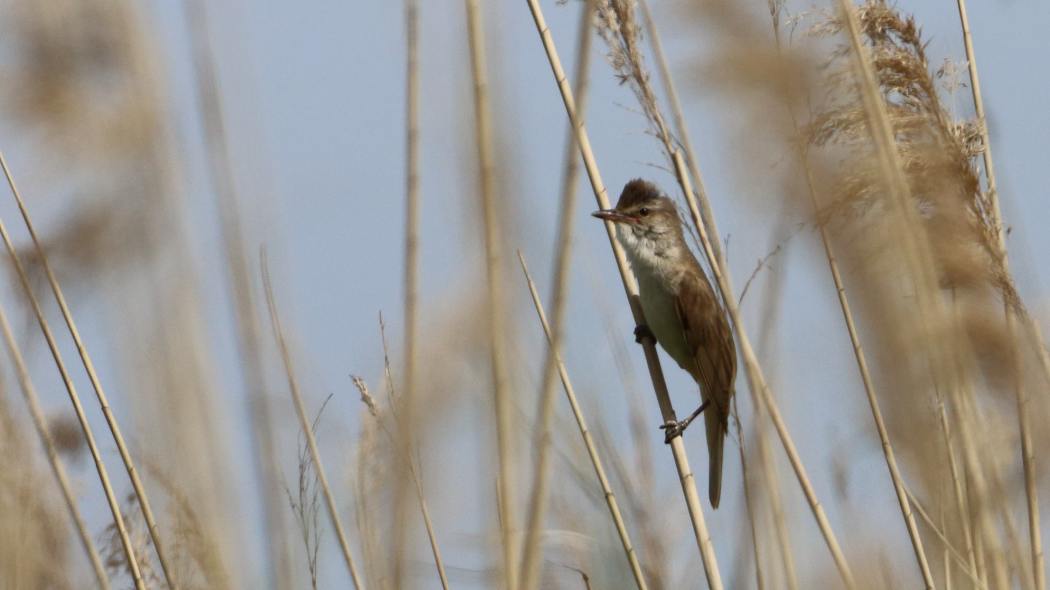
(672, 429)
(642, 332)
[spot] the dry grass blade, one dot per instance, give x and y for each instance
(247, 324)
(40, 424)
(506, 489)
(1027, 453)
(685, 473)
(532, 552)
(304, 423)
(111, 498)
(585, 433)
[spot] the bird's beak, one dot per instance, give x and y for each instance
(612, 215)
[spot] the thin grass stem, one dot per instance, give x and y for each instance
(304, 423)
(532, 552)
(40, 424)
(685, 474)
(89, 437)
(585, 433)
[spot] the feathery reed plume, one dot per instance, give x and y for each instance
(592, 451)
(506, 489)
(407, 453)
(996, 221)
(300, 410)
(559, 298)
(858, 349)
(618, 28)
(306, 503)
(118, 519)
(239, 283)
(685, 474)
(933, 229)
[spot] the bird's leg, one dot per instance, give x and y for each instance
(642, 332)
(672, 429)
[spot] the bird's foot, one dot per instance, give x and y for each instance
(674, 428)
(642, 332)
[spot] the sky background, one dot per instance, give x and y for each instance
(313, 96)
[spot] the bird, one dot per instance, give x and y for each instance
(682, 312)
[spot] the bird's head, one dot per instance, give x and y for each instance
(643, 215)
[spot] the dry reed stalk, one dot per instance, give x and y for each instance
(407, 454)
(585, 433)
(1027, 453)
(685, 474)
(617, 12)
(405, 441)
(858, 349)
(771, 486)
(247, 324)
(304, 423)
(40, 424)
(533, 551)
(962, 505)
(752, 513)
(682, 130)
(507, 492)
(111, 421)
(74, 398)
(948, 547)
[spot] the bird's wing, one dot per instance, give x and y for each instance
(709, 339)
(710, 343)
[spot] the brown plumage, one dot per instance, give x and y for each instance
(681, 309)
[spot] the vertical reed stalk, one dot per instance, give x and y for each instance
(685, 474)
(1027, 452)
(507, 491)
(585, 433)
(533, 551)
(304, 423)
(40, 424)
(74, 398)
(264, 461)
(406, 442)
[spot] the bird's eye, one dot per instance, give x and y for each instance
(643, 211)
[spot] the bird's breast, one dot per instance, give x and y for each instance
(658, 303)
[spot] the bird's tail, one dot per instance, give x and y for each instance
(716, 423)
